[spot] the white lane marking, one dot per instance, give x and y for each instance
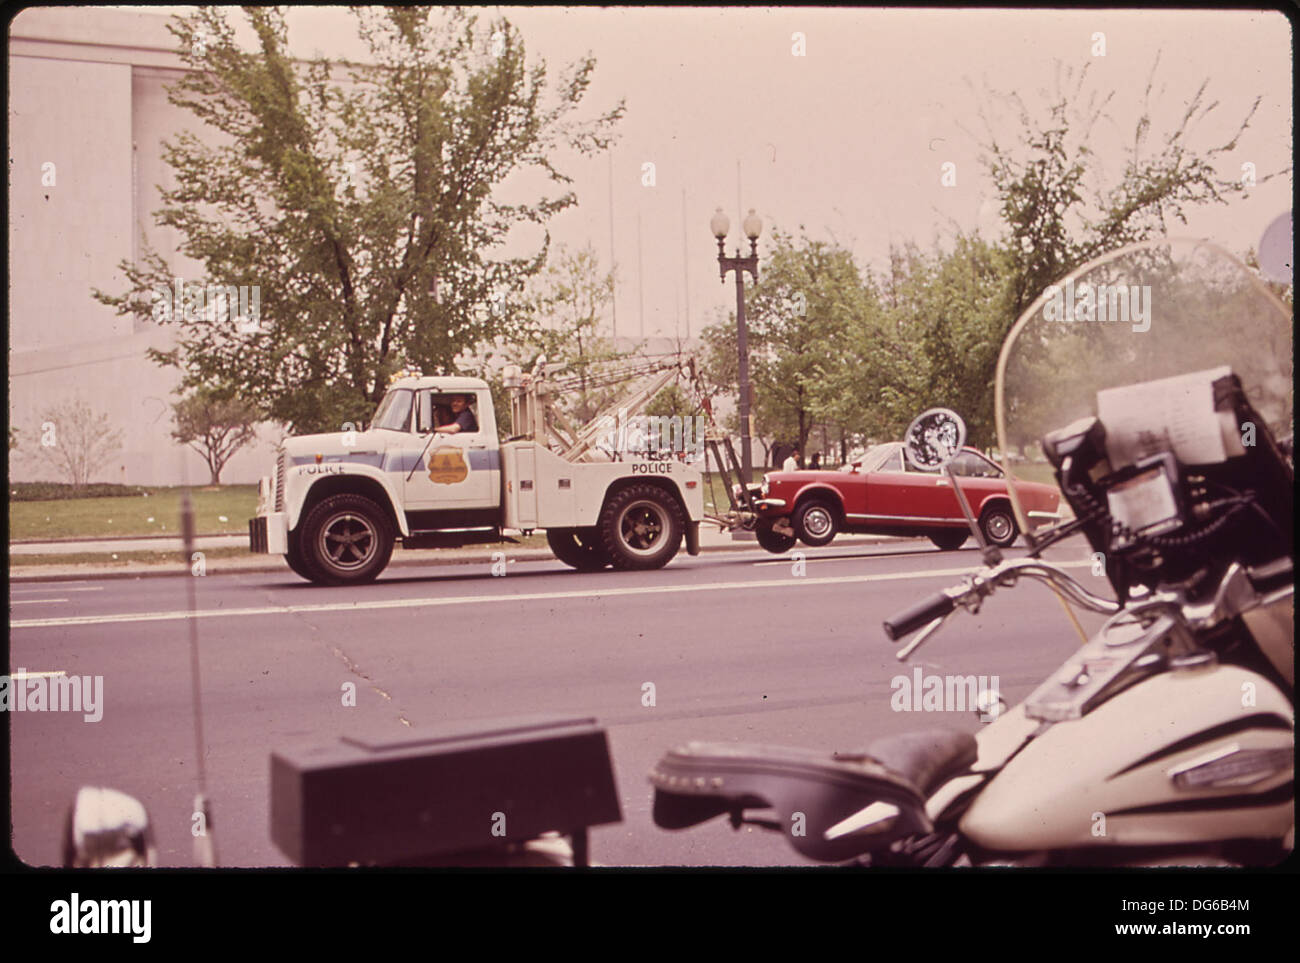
(496, 599)
(29, 591)
(818, 559)
(33, 601)
(37, 675)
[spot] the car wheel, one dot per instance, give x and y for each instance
(815, 522)
(772, 540)
(641, 527)
(346, 540)
(950, 539)
(578, 548)
(998, 525)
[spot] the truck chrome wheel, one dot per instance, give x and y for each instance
(641, 527)
(345, 539)
(349, 540)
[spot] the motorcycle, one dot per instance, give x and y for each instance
(1159, 380)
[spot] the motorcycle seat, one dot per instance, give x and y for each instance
(811, 791)
(926, 759)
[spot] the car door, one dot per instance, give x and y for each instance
(896, 492)
(979, 478)
(455, 471)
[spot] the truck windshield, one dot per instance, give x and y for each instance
(394, 412)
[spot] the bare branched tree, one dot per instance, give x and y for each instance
(76, 441)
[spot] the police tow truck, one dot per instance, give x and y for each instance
(338, 502)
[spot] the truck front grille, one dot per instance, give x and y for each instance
(279, 480)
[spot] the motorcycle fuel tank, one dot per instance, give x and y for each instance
(1187, 756)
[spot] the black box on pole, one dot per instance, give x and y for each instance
(442, 790)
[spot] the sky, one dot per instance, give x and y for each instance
(840, 122)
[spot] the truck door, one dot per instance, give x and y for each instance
(457, 471)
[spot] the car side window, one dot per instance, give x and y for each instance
(434, 410)
(970, 465)
(893, 463)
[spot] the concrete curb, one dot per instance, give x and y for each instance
(273, 563)
(73, 539)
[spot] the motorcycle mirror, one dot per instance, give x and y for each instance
(934, 438)
(107, 828)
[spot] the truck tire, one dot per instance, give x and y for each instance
(578, 548)
(771, 540)
(345, 540)
(296, 562)
(641, 527)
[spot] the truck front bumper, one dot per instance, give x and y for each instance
(269, 534)
(692, 538)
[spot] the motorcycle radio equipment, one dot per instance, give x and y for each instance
(1165, 486)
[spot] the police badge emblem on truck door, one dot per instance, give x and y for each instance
(447, 465)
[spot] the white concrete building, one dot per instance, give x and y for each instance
(87, 116)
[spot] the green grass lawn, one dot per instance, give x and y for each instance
(1034, 472)
(221, 510)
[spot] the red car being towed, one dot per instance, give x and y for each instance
(881, 494)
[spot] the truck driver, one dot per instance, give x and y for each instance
(462, 418)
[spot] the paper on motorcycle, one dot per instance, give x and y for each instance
(1173, 414)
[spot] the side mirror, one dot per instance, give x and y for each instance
(107, 828)
(934, 438)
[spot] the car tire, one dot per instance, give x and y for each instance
(816, 522)
(578, 548)
(950, 539)
(345, 540)
(998, 525)
(773, 540)
(641, 527)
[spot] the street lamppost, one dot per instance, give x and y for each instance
(753, 226)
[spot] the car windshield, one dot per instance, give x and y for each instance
(876, 456)
(394, 412)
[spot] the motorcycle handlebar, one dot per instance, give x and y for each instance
(922, 613)
(943, 603)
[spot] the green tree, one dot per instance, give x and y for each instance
(568, 307)
(216, 424)
(361, 199)
(950, 317)
(808, 295)
(1057, 202)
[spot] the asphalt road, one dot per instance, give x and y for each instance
(740, 646)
